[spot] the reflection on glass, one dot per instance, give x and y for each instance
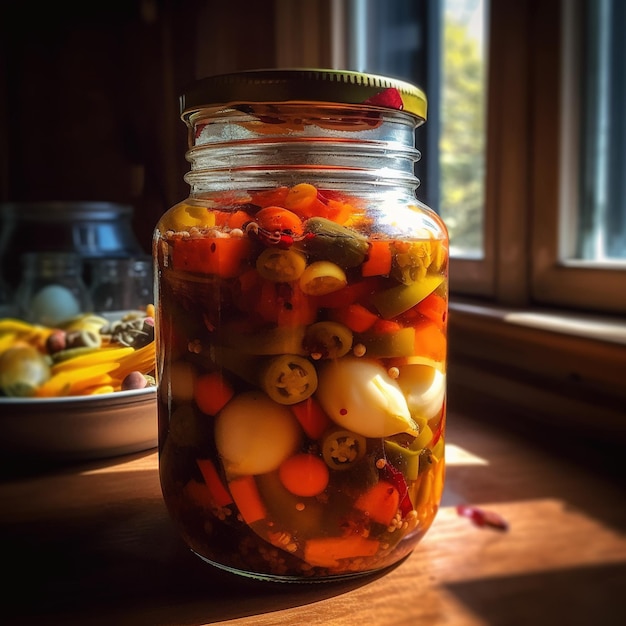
(601, 232)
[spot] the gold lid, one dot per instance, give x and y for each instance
(304, 85)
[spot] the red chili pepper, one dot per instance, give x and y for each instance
(481, 517)
(396, 478)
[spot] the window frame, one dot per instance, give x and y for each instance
(499, 274)
(541, 353)
(556, 153)
(532, 167)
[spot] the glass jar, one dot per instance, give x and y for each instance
(52, 289)
(301, 300)
(120, 285)
(92, 229)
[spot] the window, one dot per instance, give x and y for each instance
(580, 225)
(462, 138)
(601, 233)
(525, 145)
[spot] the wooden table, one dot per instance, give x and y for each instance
(92, 544)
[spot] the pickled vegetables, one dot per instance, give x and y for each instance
(303, 381)
(84, 355)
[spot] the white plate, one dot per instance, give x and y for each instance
(78, 427)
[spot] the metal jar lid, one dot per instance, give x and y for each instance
(303, 85)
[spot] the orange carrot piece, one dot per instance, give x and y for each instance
(327, 551)
(302, 199)
(360, 291)
(430, 341)
(232, 219)
(212, 392)
(222, 257)
(312, 417)
(275, 218)
(378, 261)
(219, 493)
(304, 474)
(355, 316)
(270, 197)
(434, 308)
(246, 496)
(386, 326)
(379, 502)
(338, 211)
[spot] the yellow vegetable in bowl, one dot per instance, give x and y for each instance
(22, 370)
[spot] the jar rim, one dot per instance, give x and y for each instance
(304, 85)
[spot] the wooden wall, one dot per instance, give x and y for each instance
(89, 94)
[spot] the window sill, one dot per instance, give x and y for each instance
(555, 367)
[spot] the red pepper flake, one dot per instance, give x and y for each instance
(389, 98)
(396, 478)
(482, 517)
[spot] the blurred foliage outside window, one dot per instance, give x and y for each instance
(463, 125)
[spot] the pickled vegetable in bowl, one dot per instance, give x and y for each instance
(83, 390)
(85, 355)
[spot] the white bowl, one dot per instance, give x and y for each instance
(78, 427)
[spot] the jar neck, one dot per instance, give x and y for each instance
(337, 147)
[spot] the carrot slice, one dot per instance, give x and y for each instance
(232, 219)
(355, 316)
(211, 392)
(327, 551)
(246, 496)
(386, 326)
(380, 502)
(360, 292)
(378, 260)
(217, 490)
(434, 307)
(338, 211)
(221, 257)
(275, 218)
(430, 341)
(303, 200)
(304, 474)
(312, 417)
(270, 197)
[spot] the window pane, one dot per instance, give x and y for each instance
(463, 125)
(601, 234)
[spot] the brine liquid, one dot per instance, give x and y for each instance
(301, 387)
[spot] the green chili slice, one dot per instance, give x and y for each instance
(322, 277)
(289, 378)
(341, 449)
(280, 266)
(327, 340)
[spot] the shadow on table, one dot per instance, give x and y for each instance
(122, 562)
(568, 596)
